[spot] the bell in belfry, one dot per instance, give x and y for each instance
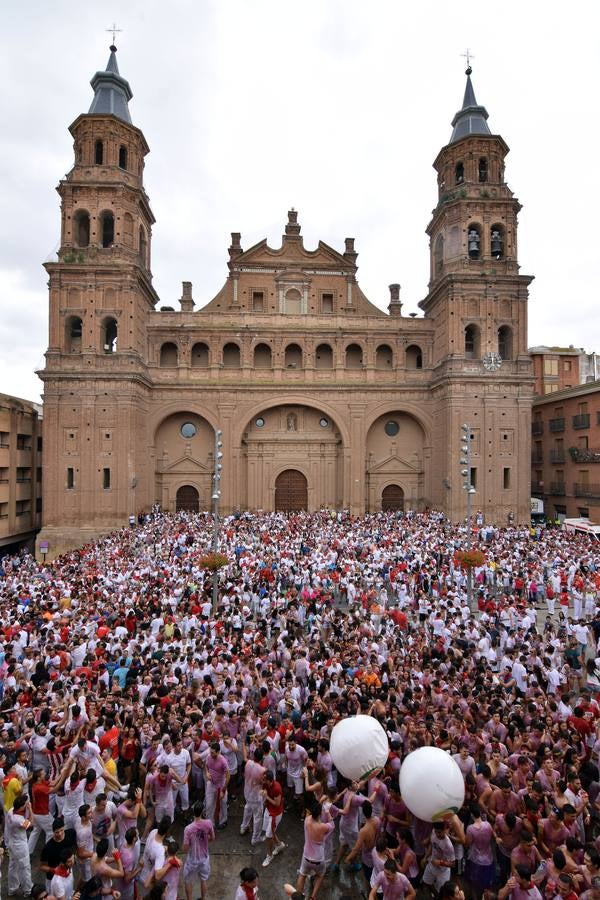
(497, 247)
(474, 243)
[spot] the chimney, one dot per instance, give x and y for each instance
(187, 301)
(350, 253)
(395, 306)
(236, 246)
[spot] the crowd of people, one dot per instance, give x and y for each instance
(135, 714)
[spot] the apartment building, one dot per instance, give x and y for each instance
(559, 368)
(20, 472)
(565, 444)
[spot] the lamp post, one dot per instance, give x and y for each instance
(216, 494)
(465, 471)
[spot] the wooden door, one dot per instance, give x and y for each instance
(188, 499)
(291, 491)
(392, 498)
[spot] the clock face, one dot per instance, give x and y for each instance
(492, 361)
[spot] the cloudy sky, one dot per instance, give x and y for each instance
(335, 107)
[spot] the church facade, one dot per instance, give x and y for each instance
(323, 399)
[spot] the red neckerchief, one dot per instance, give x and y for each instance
(249, 892)
(62, 871)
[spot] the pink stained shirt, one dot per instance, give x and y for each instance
(315, 850)
(195, 839)
(217, 769)
(392, 890)
(253, 779)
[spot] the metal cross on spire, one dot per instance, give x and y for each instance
(114, 30)
(468, 56)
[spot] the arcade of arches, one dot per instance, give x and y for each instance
(291, 457)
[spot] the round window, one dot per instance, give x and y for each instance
(188, 430)
(323, 422)
(391, 428)
(259, 422)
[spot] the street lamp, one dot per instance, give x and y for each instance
(465, 460)
(216, 494)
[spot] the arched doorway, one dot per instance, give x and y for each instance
(392, 498)
(187, 499)
(291, 491)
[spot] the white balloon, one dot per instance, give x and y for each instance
(358, 746)
(431, 784)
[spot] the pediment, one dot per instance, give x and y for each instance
(294, 253)
(394, 464)
(186, 465)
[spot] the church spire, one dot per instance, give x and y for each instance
(471, 119)
(111, 91)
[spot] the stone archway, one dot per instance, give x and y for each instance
(291, 491)
(183, 446)
(395, 472)
(392, 498)
(291, 436)
(187, 499)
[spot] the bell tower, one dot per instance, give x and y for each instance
(478, 302)
(95, 381)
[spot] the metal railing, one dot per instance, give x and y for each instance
(585, 454)
(581, 421)
(586, 490)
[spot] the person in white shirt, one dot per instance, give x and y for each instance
(18, 820)
(296, 757)
(180, 762)
(564, 708)
(554, 679)
(519, 673)
(582, 635)
(85, 840)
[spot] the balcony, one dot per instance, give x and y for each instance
(537, 427)
(557, 456)
(557, 488)
(586, 490)
(537, 487)
(556, 425)
(537, 458)
(581, 421)
(584, 455)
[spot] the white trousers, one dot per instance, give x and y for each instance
(210, 804)
(19, 870)
(41, 825)
(253, 812)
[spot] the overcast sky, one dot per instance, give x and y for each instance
(335, 107)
